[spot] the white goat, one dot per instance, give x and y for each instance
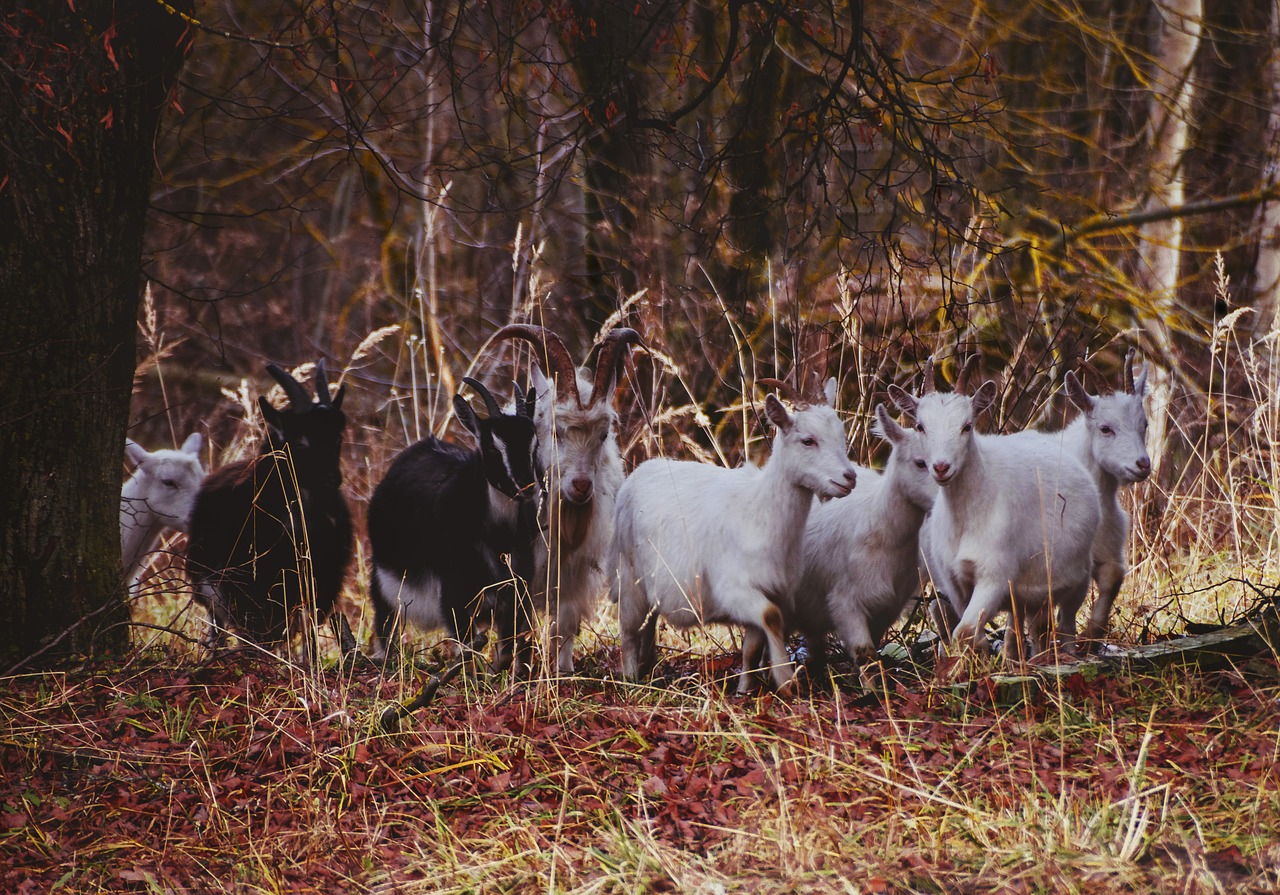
(578, 450)
(1110, 438)
(860, 553)
(699, 544)
(1014, 521)
(158, 496)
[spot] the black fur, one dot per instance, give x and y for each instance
(430, 518)
(273, 534)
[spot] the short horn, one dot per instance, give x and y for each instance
(1128, 371)
(813, 393)
(609, 360)
(490, 403)
(554, 354)
(323, 395)
(786, 388)
(297, 395)
(928, 385)
(966, 373)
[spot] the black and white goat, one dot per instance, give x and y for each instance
(271, 536)
(578, 449)
(158, 497)
(440, 523)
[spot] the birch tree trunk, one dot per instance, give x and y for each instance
(1266, 269)
(1160, 246)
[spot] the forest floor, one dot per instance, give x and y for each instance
(246, 774)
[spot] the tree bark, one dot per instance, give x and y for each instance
(1160, 240)
(83, 87)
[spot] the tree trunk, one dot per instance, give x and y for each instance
(83, 88)
(1266, 268)
(1160, 246)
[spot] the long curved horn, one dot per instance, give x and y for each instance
(556, 356)
(297, 395)
(966, 373)
(609, 360)
(928, 386)
(1128, 371)
(788, 390)
(490, 403)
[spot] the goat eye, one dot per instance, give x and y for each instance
(967, 427)
(1106, 430)
(809, 441)
(920, 464)
(169, 483)
(920, 428)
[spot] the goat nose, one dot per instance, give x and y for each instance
(580, 489)
(851, 477)
(941, 468)
(1144, 464)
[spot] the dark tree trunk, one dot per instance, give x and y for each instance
(81, 94)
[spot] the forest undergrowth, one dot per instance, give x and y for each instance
(172, 771)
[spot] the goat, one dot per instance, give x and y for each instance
(578, 450)
(1013, 524)
(860, 554)
(158, 496)
(440, 520)
(699, 543)
(1109, 438)
(272, 535)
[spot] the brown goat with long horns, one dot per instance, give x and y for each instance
(578, 449)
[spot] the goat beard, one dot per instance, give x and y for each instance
(572, 522)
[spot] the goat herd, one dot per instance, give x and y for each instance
(540, 515)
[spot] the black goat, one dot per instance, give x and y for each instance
(271, 536)
(440, 523)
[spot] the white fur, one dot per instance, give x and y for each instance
(575, 444)
(1109, 439)
(700, 544)
(1014, 521)
(860, 553)
(417, 602)
(157, 497)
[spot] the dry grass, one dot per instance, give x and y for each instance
(176, 773)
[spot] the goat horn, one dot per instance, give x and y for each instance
(966, 373)
(788, 390)
(490, 403)
(297, 395)
(609, 360)
(928, 385)
(813, 393)
(1128, 371)
(323, 395)
(556, 356)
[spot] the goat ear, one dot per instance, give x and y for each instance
(887, 427)
(829, 392)
(462, 410)
(776, 413)
(135, 452)
(1076, 392)
(193, 444)
(906, 402)
(337, 398)
(531, 402)
(539, 382)
(272, 417)
(984, 397)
